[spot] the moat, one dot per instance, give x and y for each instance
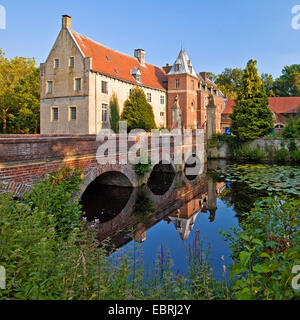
(172, 208)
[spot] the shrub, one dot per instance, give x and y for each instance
(264, 249)
(291, 130)
(282, 155)
(138, 112)
(250, 154)
(114, 113)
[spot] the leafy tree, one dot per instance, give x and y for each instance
(288, 84)
(268, 82)
(292, 129)
(138, 112)
(251, 117)
(229, 82)
(114, 113)
(19, 95)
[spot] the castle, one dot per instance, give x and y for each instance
(80, 76)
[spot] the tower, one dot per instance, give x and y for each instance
(183, 85)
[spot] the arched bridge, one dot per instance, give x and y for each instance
(25, 159)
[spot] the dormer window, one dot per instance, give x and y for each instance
(136, 74)
(191, 69)
(177, 67)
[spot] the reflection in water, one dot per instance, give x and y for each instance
(151, 214)
(104, 202)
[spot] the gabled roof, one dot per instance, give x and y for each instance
(277, 105)
(119, 65)
(284, 104)
(184, 65)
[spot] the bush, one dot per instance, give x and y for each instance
(282, 155)
(138, 112)
(114, 113)
(264, 249)
(249, 154)
(291, 130)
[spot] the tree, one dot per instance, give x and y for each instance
(251, 117)
(19, 95)
(138, 112)
(288, 84)
(229, 82)
(114, 113)
(268, 82)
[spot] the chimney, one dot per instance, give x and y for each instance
(140, 55)
(167, 68)
(66, 22)
(204, 75)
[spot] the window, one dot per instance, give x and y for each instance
(192, 107)
(54, 114)
(149, 97)
(77, 84)
(205, 101)
(138, 77)
(73, 113)
(104, 87)
(50, 86)
(104, 112)
(193, 84)
(162, 99)
(177, 83)
(72, 62)
(56, 63)
(177, 67)
(162, 114)
(191, 69)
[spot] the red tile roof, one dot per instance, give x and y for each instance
(277, 105)
(119, 65)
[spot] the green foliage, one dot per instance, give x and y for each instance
(143, 167)
(251, 117)
(230, 81)
(292, 129)
(249, 154)
(143, 207)
(264, 249)
(138, 112)
(282, 155)
(288, 84)
(261, 177)
(268, 83)
(19, 95)
(114, 113)
(55, 197)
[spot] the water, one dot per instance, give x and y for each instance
(180, 207)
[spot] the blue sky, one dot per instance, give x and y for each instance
(215, 34)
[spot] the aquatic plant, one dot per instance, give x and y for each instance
(272, 178)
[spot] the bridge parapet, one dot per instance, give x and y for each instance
(25, 159)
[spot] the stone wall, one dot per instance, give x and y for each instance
(263, 144)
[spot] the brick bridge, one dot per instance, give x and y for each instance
(25, 159)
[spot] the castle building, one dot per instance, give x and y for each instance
(80, 76)
(283, 108)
